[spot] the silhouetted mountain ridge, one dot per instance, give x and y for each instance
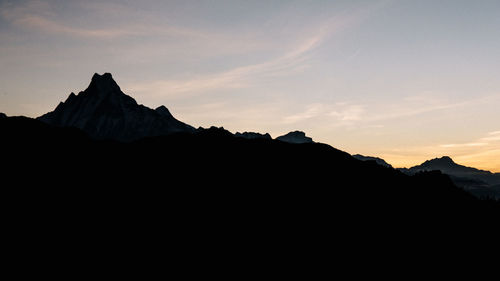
(379, 161)
(252, 135)
(216, 158)
(446, 165)
(295, 137)
(105, 112)
(477, 181)
(209, 192)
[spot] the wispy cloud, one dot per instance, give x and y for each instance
(291, 61)
(311, 111)
(349, 113)
(491, 137)
(40, 16)
(235, 78)
(470, 144)
(294, 59)
(408, 109)
(336, 114)
(50, 26)
(418, 105)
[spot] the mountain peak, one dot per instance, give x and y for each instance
(104, 112)
(445, 160)
(295, 137)
(163, 111)
(106, 75)
(103, 84)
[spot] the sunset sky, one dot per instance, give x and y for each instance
(406, 81)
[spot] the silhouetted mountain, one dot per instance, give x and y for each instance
(251, 135)
(446, 165)
(163, 111)
(210, 193)
(379, 161)
(2, 115)
(104, 112)
(70, 183)
(295, 137)
(479, 182)
(221, 169)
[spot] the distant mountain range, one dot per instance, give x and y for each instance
(102, 157)
(479, 182)
(103, 111)
(101, 172)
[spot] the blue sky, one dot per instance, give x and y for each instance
(403, 80)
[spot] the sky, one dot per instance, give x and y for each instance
(403, 80)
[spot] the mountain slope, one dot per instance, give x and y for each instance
(379, 161)
(104, 112)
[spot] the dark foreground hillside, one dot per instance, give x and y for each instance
(211, 192)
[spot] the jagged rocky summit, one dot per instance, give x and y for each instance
(295, 137)
(104, 112)
(252, 135)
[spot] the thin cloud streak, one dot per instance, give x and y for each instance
(50, 26)
(239, 77)
(343, 112)
(471, 144)
(38, 16)
(367, 113)
(244, 76)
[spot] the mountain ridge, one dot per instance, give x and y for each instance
(479, 182)
(297, 137)
(202, 187)
(378, 160)
(104, 112)
(253, 170)
(447, 165)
